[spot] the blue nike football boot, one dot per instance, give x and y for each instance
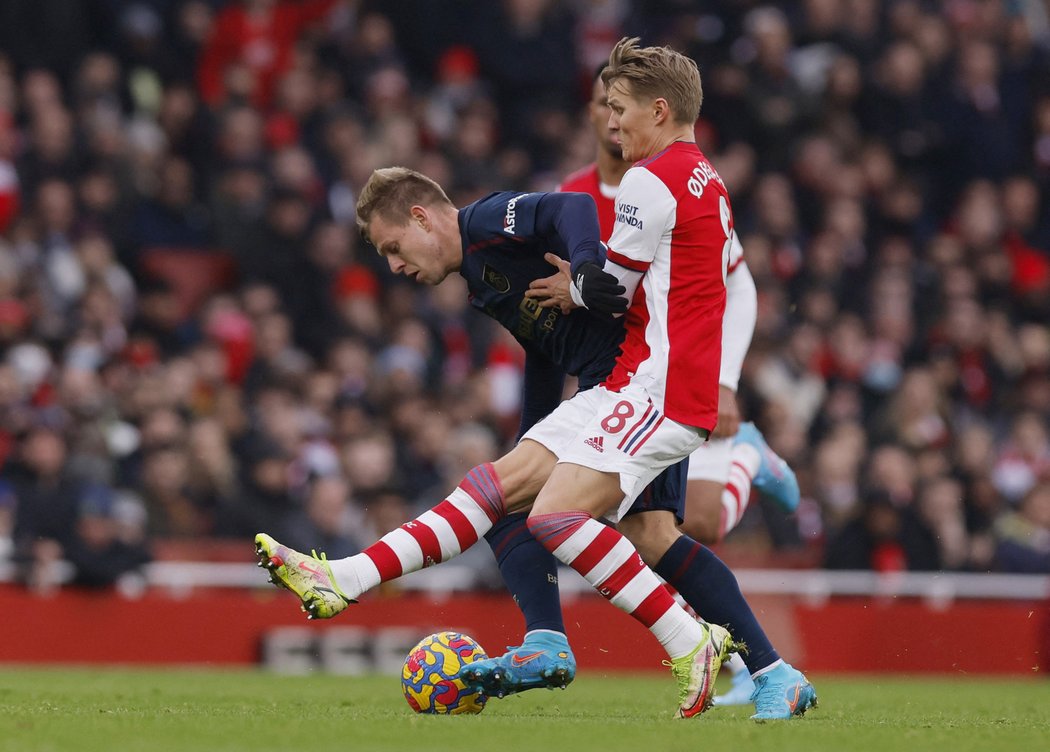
(544, 659)
(774, 478)
(782, 693)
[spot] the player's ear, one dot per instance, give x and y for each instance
(661, 110)
(420, 216)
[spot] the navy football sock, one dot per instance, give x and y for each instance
(529, 570)
(710, 588)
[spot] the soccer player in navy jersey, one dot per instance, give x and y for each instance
(423, 236)
(498, 245)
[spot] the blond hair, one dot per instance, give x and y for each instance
(657, 72)
(391, 192)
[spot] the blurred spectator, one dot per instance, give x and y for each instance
(916, 417)
(974, 456)
(46, 494)
(1024, 458)
(157, 330)
(49, 33)
(526, 49)
(900, 110)
(276, 357)
(173, 510)
(1024, 536)
(264, 501)
(791, 380)
(251, 45)
(273, 252)
(10, 188)
(325, 521)
(987, 115)
(369, 462)
(100, 554)
(836, 472)
(173, 218)
(212, 467)
(385, 509)
(775, 100)
(943, 526)
(872, 540)
(7, 520)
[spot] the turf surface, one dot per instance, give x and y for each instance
(83, 710)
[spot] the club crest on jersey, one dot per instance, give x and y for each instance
(498, 281)
(510, 219)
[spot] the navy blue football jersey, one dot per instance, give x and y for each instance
(504, 238)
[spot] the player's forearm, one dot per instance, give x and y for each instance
(738, 324)
(569, 221)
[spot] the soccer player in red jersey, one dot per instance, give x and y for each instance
(671, 249)
(719, 480)
(722, 471)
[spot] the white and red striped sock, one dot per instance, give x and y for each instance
(612, 565)
(435, 536)
(744, 462)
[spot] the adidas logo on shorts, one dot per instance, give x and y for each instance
(597, 444)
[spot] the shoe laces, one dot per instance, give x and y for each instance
(682, 672)
(767, 701)
(323, 559)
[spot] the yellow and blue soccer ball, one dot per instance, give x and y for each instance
(429, 675)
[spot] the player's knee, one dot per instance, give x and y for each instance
(703, 511)
(651, 533)
(549, 528)
(533, 524)
(702, 530)
(522, 473)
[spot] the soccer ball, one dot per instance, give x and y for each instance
(428, 677)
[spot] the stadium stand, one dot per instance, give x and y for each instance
(195, 344)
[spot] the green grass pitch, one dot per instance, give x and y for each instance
(84, 710)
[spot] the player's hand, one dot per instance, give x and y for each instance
(600, 291)
(728, 414)
(553, 292)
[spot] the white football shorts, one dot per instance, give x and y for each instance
(616, 432)
(711, 461)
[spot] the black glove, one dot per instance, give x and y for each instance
(600, 291)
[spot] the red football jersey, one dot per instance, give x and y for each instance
(674, 223)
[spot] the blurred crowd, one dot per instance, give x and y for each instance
(195, 343)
